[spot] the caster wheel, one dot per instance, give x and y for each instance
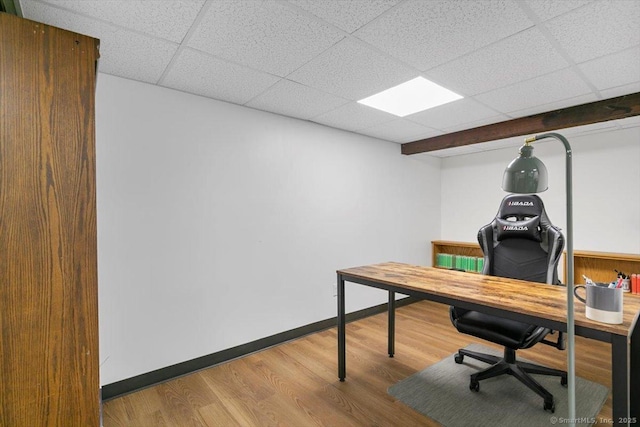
(458, 358)
(563, 380)
(474, 385)
(550, 406)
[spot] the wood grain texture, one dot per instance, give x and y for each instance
(600, 266)
(579, 115)
(532, 298)
(295, 383)
(48, 264)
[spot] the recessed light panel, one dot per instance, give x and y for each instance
(410, 97)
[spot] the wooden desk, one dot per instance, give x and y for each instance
(530, 302)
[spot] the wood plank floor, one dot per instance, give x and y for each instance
(296, 384)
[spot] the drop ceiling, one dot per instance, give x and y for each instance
(313, 59)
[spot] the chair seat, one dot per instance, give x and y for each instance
(506, 332)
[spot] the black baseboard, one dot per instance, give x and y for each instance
(129, 385)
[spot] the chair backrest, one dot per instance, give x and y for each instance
(521, 242)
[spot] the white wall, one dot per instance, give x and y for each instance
(219, 225)
(606, 190)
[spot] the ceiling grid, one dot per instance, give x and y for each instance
(314, 60)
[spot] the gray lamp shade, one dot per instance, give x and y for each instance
(525, 174)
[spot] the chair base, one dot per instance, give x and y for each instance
(509, 365)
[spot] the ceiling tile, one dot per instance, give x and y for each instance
(455, 151)
(553, 87)
(347, 15)
(169, 20)
(619, 69)
(547, 9)
(629, 122)
(400, 130)
(264, 35)
(122, 53)
(353, 117)
(620, 90)
(352, 70)
(566, 103)
(201, 74)
(520, 57)
(295, 100)
(598, 29)
(429, 33)
(556, 105)
(477, 123)
(453, 114)
(513, 142)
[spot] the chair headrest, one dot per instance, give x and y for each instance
(521, 206)
(519, 217)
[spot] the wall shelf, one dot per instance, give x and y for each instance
(599, 266)
(457, 249)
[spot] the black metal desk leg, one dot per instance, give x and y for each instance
(342, 368)
(634, 356)
(620, 379)
(391, 309)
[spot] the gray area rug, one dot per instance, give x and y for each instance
(441, 392)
